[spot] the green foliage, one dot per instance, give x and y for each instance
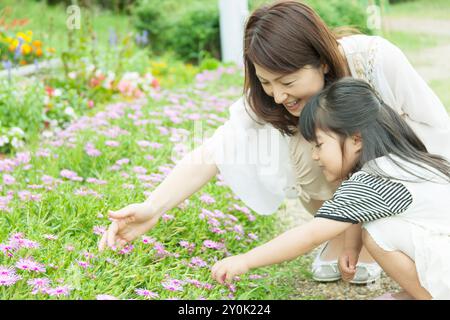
(189, 29)
(342, 13)
(20, 107)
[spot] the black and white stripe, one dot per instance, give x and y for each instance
(365, 197)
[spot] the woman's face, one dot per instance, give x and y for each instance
(335, 161)
(295, 89)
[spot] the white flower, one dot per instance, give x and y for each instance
(90, 68)
(46, 100)
(57, 92)
(72, 75)
(16, 143)
(47, 134)
(69, 111)
(3, 140)
(14, 131)
(130, 76)
(109, 78)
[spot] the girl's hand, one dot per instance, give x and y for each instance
(347, 264)
(225, 270)
(127, 224)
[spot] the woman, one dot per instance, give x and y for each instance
(290, 55)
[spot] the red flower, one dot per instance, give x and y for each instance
(155, 83)
(49, 91)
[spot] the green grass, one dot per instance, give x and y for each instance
(425, 9)
(411, 42)
(442, 89)
(49, 23)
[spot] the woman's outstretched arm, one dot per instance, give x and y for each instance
(134, 220)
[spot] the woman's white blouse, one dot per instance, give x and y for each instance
(253, 157)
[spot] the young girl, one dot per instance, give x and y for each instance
(393, 189)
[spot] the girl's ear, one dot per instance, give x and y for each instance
(325, 68)
(357, 141)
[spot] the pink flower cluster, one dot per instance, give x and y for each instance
(16, 242)
(8, 276)
(28, 264)
(71, 175)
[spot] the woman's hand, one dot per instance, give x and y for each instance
(225, 270)
(128, 224)
(347, 264)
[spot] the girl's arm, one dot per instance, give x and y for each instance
(352, 239)
(350, 254)
(288, 246)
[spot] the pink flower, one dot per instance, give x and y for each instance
(206, 198)
(26, 195)
(8, 179)
(111, 143)
(253, 236)
(84, 264)
(95, 181)
(167, 217)
(99, 230)
(59, 291)
(127, 249)
(238, 228)
(173, 285)
(9, 279)
(186, 245)
(91, 150)
(29, 264)
(122, 161)
(50, 237)
(147, 240)
(39, 285)
(144, 143)
(146, 293)
(70, 175)
(198, 262)
(213, 245)
(106, 297)
(140, 170)
(6, 271)
(255, 276)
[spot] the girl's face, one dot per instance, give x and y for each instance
(335, 161)
(292, 90)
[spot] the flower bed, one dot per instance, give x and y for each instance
(55, 198)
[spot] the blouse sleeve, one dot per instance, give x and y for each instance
(253, 159)
(408, 93)
(366, 198)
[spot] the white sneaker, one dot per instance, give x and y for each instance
(325, 271)
(367, 273)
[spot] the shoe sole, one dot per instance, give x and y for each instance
(326, 280)
(364, 281)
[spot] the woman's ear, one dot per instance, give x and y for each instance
(325, 68)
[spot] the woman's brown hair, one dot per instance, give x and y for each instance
(283, 38)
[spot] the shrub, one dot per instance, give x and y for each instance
(191, 28)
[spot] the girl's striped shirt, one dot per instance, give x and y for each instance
(366, 197)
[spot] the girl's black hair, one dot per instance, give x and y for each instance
(350, 106)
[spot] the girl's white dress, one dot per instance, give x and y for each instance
(404, 214)
(263, 167)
